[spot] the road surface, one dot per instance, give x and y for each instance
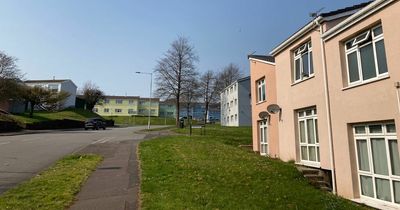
(23, 156)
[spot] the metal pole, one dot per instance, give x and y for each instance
(151, 84)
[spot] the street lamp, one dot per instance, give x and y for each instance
(151, 85)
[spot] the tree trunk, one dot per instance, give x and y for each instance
(31, 111)
(205, 113)
(177, 111)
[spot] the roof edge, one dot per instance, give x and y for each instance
(355, 18)
(262, 61)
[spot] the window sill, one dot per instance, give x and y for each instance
(295, 83)
(367, 82)
(260, 102)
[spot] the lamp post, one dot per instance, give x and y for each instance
(151, 85)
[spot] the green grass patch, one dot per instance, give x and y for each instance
(212, 172)
(72, 114)
(54, 188)
(141, 120)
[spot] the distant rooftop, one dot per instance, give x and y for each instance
(46, 81)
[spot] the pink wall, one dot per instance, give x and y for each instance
(375, 101)
(259, 70)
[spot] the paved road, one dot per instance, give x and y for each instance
(23, 156)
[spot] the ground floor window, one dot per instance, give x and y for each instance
(378, 161)
(308, 137)
(263, 138)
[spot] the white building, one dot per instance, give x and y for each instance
(235, 104)
(65, 85)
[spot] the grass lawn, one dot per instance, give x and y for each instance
(141, 120)
(73, 114)
(212, 172)
(55, 188)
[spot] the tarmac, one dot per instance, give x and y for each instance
(115, 182)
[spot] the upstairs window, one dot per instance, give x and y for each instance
(366, 57)
(303, 62)
(118, 101)
(261, 90)
(106, 101)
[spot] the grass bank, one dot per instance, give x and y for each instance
(39, 116)
(212, 172)
(141, 120)
(54, 188)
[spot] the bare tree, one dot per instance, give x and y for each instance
(228, 75)
(175, 70)
(92, 94)
(10, 77)
(190, 93)
(209, 90)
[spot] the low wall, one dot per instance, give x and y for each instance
(7, 126)
(55, 124)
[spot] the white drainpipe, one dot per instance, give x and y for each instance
(328, 108)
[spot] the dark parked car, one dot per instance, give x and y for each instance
(95, 124)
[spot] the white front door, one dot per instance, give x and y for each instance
(378, 162)
(263, 137)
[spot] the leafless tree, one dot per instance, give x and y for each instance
(209, 91)
(175, 70)
(10, 77)
(228, 75)
(190, 93)
(92, 94)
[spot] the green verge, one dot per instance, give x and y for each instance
(40, 116)
(140, 120)
(212, 172)
(54, 188)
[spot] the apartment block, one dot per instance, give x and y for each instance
(334, 88)
(127, 106)
(235, 103)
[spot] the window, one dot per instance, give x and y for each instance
(378, 161)
(118, 101)
(95, 110)
(231, 118)
(261, 90)
(236, 117)
(131, 111)
(106, 110)
(308, 136)
(118, 110)
(303, 62)
(235, 101)
(365, 56)
(263, 137)
(131, 101)
(106, 101)
(53, 88)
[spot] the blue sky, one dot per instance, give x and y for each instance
(107, 41)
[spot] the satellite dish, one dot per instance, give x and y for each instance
(263, 115)
(273, 108)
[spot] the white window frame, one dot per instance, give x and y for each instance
(356, 48)
(263, 137)
(119, 101)
(106, 110)
(306, 48)
(391, 177)
(303, 117)
(260, 90)
(118, 110)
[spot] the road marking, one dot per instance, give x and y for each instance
(3, 143)
(32, 139)
(103, 140)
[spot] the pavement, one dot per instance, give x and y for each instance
(115, 182)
